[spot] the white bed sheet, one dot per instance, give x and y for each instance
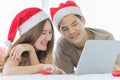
(60, 77)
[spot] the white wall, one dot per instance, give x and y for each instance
(8, 10)
(102, 14)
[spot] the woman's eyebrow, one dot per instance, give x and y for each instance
(47, 30)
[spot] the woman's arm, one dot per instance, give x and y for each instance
(17, 51)
(33, 56)
(12, 67)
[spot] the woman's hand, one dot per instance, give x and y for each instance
(52, 69)
(19, 49)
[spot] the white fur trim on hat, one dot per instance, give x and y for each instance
(8, 43)
(34, 20)
(65, 11)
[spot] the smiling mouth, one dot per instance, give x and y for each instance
(74, 36)
(43, 43)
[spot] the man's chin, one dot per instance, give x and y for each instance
(74, 42)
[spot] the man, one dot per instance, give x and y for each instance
(70, 22)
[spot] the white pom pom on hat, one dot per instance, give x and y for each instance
(24, 21)
(69, 7)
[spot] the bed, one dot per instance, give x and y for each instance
(107, 76)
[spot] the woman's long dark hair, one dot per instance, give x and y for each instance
(30, 37)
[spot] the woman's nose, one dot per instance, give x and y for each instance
(48, 37)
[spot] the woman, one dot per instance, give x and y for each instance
(32, 52)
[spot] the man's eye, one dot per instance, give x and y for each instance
(64, 29)
(74, 24)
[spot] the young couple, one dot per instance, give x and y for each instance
(32, 52)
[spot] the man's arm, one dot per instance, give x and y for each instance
(110, 37)
(63, 61)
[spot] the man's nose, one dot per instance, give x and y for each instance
(71, 30)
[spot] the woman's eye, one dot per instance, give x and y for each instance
(43, 33)
(50, 32)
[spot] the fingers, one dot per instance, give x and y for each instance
(19, 49)
(50, 68)
(16, 52)
(62, 72)
(55, 70)
(59, 71)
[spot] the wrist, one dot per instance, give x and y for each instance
(29, 47)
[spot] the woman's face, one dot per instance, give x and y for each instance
(45, 37)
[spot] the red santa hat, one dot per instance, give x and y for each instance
(69, 7)
(24, 21)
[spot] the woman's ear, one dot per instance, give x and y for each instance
(83, 20)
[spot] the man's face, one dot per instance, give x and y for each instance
(71, 27)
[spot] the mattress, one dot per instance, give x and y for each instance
(107, 76)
